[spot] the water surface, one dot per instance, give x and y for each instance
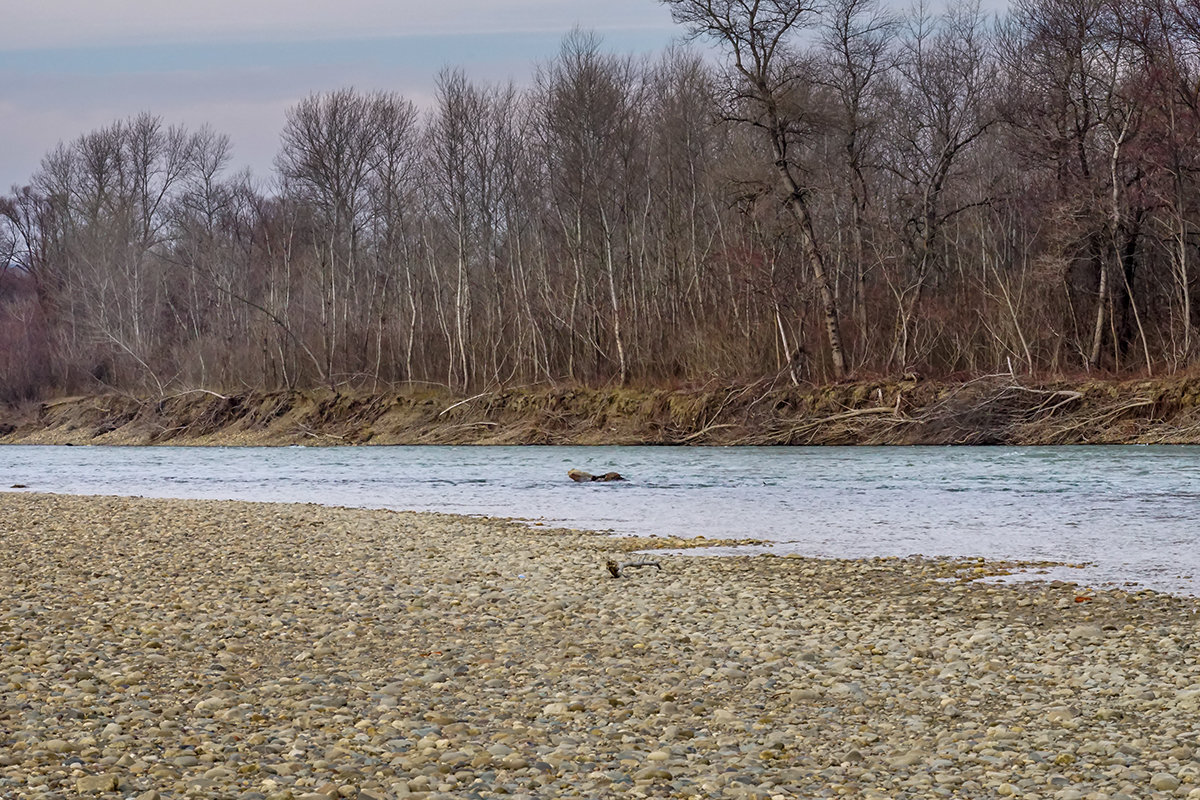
(1130, 511)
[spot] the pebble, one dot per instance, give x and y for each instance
(96, 784)
(165, 649)
(1164, 782)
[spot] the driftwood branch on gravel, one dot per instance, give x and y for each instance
(616, 569)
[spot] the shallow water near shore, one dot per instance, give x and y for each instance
(1129, 512)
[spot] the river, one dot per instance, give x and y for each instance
(1129, 512)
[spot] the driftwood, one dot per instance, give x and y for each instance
(809, 430)
(579, 476)
(450, 408)
(616, 569)
(987, 410)
(307, 431)
(706, 430)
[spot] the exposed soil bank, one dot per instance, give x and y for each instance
(995, 410)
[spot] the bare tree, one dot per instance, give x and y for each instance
(590, 129)
(758, 35)
(858, 42)
(941, 107)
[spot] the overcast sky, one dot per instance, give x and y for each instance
(70, 66)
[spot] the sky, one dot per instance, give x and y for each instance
(71, 66)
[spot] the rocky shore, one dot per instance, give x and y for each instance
(167, 649)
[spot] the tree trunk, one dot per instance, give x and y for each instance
(1098, 328)
(808, 243)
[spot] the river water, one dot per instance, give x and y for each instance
(1130, 512)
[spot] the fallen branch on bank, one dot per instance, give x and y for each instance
(1067, 396)
(480, 424)
(307, 431)
(978, 413)
(195, 391)
(1115, 412)
(1101, 418)
(450, 408)
(691, 437)
(812, 426)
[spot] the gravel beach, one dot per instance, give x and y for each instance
(164, 649)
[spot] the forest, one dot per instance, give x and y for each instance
(797, 194)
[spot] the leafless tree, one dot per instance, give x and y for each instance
(759, 36)
(975, 200)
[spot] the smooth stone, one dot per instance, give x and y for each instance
(97, 783)
(1164, 782)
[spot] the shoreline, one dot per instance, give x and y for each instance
(1000, 569)
(167, 648)
(995, 410)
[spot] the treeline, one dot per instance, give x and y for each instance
(838, 192)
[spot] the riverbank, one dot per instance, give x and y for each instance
(159, 648)
(994, 410)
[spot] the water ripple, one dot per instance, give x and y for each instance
(1129, 511)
